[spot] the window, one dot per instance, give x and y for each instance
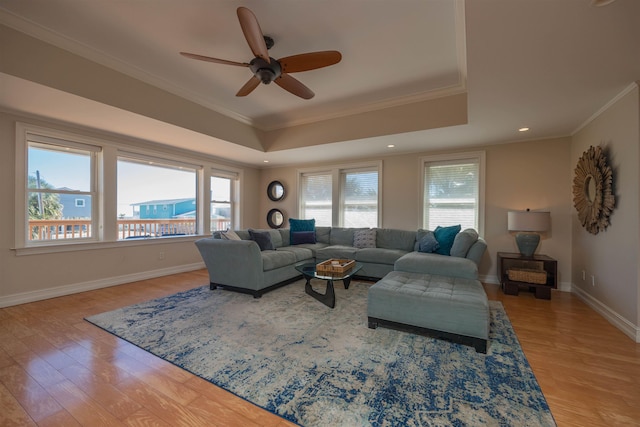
(316, 199)
(453, 190)
(224, 191)
(153, 183)
(75, 191)
(359, 198)
(58, 172)
(346, 196)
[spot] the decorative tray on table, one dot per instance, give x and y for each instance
(335, 266)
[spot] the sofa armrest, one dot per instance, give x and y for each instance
(232, 262)
(476, 251)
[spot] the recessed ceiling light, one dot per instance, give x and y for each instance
(390, 146)
(523, 129)
(265, 161)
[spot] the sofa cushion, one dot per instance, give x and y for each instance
(323, 234)
(262, 238)
(336, 251)
(395, 239)
(301, 253)
(420, 262)
(364, 238)
(342, 236)
(244, 234)
(276, 259)
(445, 237)
(300, 237)
(379, 255)
(428, 243)
(463, 241)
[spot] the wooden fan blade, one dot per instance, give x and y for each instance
(210, 59)
(288, 83)
(253, 33)
(248, 86)
(309, 61)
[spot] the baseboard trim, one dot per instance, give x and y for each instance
(627, 328)
(26, 297)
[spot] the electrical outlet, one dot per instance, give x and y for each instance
(584, 275)
(593, 280)
(160, 255)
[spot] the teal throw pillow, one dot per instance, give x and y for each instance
(428, 243)
(263, 239)
(445, 237)
(296, 225)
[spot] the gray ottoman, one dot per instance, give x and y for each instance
(444, 307)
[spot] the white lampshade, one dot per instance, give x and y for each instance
(528, 221)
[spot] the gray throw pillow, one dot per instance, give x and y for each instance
(263, 239)
(364, 238)
(463, 242)
(428, 243)
(229, 235)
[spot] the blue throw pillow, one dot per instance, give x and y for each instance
(428, 243)
(300, 225)
(263, 239)
(445, 237)
(299, 237)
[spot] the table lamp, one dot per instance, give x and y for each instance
(528, 225)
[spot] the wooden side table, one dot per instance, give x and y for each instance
(507, 260)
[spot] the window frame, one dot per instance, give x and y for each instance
(235, 175)
(337, 187)
(27, 134)
(476, 156)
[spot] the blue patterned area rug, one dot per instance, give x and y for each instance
(317, 366)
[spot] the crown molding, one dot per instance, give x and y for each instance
(606, 106)
(61, 41)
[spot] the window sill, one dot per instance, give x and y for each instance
(92, 245)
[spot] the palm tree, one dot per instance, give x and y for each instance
(43, 205)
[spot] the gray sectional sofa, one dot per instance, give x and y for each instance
(240, 265)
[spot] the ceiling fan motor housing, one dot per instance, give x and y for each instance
(265, 72)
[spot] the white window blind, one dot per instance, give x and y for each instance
(451, 193)
(360, 198)
(316, 198)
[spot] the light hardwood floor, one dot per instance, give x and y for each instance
(58, 370)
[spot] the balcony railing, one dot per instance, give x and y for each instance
(56, 229)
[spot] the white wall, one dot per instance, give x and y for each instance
(521, 175)
(25, 278)
(612, 256)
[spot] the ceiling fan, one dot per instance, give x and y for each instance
(266, 69)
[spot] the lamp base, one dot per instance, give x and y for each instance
(527, 243)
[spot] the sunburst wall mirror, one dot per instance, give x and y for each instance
(592, 190)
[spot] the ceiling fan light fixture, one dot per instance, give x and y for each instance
(265, 76)
(265, 71)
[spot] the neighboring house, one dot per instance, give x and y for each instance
(165, 209)
(75, 206)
